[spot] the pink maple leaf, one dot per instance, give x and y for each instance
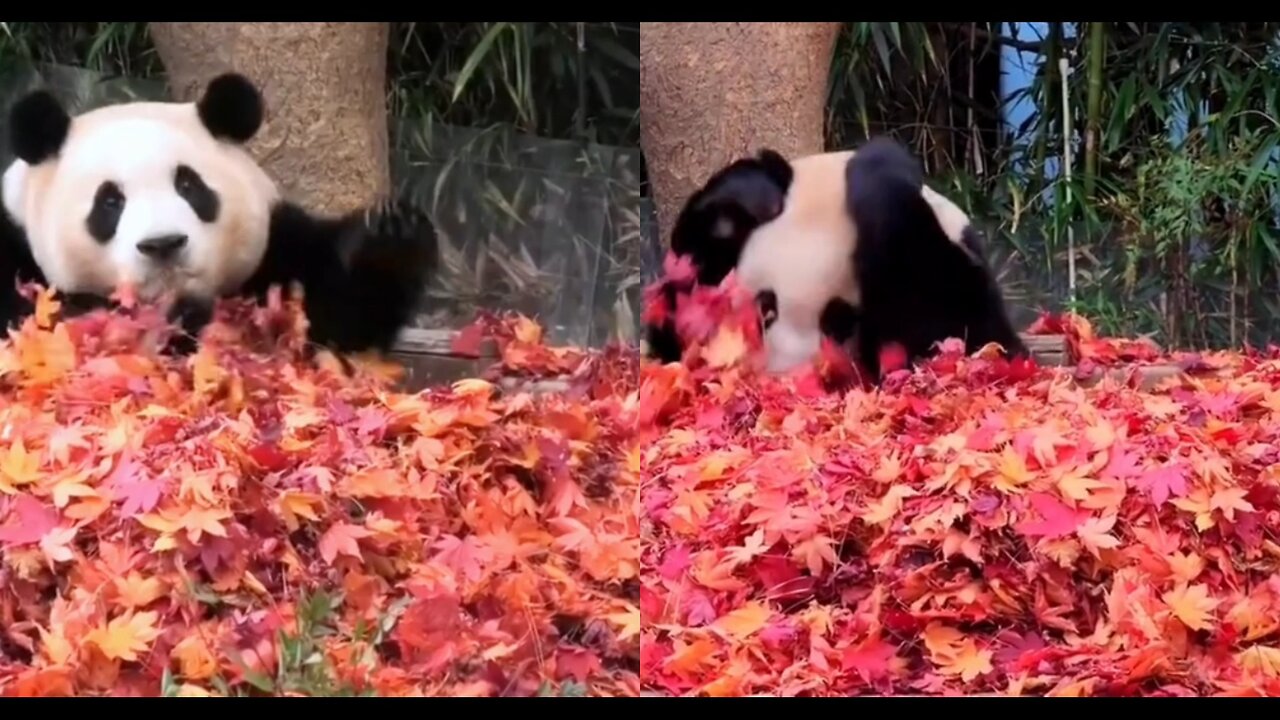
(1123, 464)
(34, 520)
(1165, 481)
(1057, 518)
(675, 562)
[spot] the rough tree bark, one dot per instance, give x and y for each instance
(325, 134)
(710, 92)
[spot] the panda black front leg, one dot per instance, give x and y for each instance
(190, 317)
(388, 255)
(394, 240)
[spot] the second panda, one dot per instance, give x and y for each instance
(852, 245)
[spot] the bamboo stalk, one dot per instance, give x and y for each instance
(1093, 118)
(1064, 71)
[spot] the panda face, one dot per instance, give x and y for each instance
(143, 194)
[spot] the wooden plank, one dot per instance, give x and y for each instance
(424, 341)
(1149, 376)
(1048, 350)
(422, 370)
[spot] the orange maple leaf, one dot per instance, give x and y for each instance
(744, 622)
(125, 636)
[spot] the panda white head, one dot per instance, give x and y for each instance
(160, 196)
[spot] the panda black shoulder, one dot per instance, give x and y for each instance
(17, 266)
(363, 274)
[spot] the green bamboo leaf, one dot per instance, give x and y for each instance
(476, 57)
(1261, 159)
(882, 47)
(896, 32)
(617, 52)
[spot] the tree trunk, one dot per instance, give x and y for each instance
(710, 92)
(325, 134)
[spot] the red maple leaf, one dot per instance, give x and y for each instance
(870, 659)
(576, 663)
(467, 341)
(1057, 518)
(467, 557)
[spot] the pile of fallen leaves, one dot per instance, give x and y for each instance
(261, 518)
(968, 527)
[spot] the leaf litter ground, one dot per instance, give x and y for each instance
(972, 527)
(260, 519)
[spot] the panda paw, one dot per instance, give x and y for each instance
(397, 239)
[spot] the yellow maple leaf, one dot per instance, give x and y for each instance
(1192, 605)
(1013, 471)
(942, 641)
(18, 467)
(1260, 660)
(136, 591)
(954, 653)
(814, 551)
(969, 662)
(726, 348)
(1045, 444)
(714, 464)
(889, 469)
(1253, 619)
(1079, 488)
(198, 521)
(72, 486)
(884, 509)
(55, 646)
(1228, 501)
(744, 622)
(295, 504)
(125, 636)
(1197, 503)
(47, 307)
(1185, 567)
(627, 621)
(1100, 433)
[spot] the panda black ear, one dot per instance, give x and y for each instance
(776, 167)
(38, 126)
(231, 108)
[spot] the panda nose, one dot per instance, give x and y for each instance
(163, 247)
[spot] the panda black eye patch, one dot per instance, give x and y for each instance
(108, 206)
(192, 188)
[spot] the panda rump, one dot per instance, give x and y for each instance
(920, 267)
(175, 203)
(848, 244)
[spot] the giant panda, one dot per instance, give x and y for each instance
(851, 245)
(163, 196)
